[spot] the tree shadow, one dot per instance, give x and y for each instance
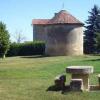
(35, 56)
(95, 54)
(93, 60)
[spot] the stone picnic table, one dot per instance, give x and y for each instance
(81, 72)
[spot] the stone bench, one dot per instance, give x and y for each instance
(76, 85)
(60, 81)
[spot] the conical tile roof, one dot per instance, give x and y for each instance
(63, 17)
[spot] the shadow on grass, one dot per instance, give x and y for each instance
(57, 89)
(35, 56)
(95, 54)
(93, 60)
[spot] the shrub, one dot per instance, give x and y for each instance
(25, 49)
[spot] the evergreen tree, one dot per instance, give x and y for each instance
(92, 28)
(98, 42)
(4, 40)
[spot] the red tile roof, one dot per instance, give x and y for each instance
(40, 21)
(63, 17)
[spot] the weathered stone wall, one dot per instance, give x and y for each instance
(64, 40)
(39, 32)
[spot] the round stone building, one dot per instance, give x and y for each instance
(63, 35)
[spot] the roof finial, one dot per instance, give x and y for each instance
(63, 6)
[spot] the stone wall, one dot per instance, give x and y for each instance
(64, 40)
(39, 32)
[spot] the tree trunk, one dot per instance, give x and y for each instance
(3, 57)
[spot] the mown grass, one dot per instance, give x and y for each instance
(28, 78)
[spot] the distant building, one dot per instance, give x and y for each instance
(63, 34)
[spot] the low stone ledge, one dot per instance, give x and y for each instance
(94, 88)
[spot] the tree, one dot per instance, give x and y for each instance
(92, 28)
(19, 37)
(98, 42)
(4, 40)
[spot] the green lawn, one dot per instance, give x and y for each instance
(28, 78)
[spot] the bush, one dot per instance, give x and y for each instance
(25, 49)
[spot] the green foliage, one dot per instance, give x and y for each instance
(93, 27)
(28, 48)
(4, 40)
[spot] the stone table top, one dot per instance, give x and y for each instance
(79, 69)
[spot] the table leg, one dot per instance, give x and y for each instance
(85, 78)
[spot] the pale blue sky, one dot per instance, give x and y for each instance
(18, 14)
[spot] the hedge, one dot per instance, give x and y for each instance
(25, 49)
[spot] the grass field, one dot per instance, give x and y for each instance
(28, 78)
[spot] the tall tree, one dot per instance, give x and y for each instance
(4, 40)
(92, 28)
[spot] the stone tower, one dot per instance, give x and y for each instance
(63, 35)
